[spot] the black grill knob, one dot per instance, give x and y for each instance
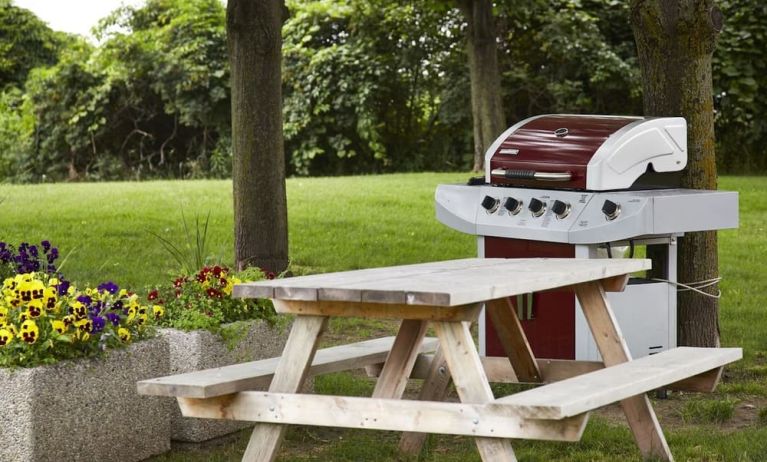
(490, 204)
(611, 209)
(537, 207)
(512, 205)
(560, 209)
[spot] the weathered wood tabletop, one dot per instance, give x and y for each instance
(445, 283)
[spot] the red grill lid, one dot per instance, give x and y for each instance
(553, 144)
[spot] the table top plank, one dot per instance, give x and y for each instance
(307, 288)
(447, 283)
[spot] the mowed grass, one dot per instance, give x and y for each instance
(356, 222)
(334, 223)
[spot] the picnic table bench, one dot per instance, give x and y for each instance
(448, 296)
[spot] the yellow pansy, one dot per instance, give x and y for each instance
(124, 334)
(50, 297)
(31, 290)
(59, 326)
(35, 308)
(142, 319)
(29, 331)
(83, 329)
(6, 337)
(158, 311)
(77, 309)
(84, 325)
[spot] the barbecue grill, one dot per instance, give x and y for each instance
(582, 186)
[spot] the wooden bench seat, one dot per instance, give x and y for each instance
(557, 411)
(583, 393)
(258, 374)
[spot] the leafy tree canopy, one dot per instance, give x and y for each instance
(25, 42)
(151, 100)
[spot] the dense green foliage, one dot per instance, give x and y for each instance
(568, 56)
(369, 85)
(151, 100)
(25, 42)
(374, 86)
(740, 80)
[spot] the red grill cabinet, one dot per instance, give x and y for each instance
(582, 186)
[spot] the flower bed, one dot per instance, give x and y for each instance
(207, 328)
(69, 367)
(86, 410)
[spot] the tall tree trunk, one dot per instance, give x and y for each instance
(486, 102)
(254, 31)
(675, 41)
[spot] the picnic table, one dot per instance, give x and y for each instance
(447, 296)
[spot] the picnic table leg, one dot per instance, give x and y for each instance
(288, 378)
(513, 339)
(399, 363)
(471, 382)
(612, 346)
(434, 388)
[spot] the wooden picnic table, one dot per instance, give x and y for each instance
(449, 296)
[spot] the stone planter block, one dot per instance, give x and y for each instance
(86, 410)
(200, 349)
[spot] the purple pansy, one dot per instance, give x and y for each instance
(108, 286)
(98, 324)
(114, 318)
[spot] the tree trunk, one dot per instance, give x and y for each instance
(486, 102)
(675, 41)
(254, 31)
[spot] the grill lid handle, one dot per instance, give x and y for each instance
(531, 175)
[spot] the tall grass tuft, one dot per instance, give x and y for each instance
(193, 254)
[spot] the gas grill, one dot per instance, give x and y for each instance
(581, 186)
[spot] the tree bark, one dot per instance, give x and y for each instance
(675, 42)
(486, 102)
(254, 31)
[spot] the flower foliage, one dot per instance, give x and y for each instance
(204, 300)
(40, 323)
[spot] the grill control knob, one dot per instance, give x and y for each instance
(512, 205)
(560, 209)
(537, 207)
(611, 209)
(490, 204)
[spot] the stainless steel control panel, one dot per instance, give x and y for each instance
(582, 217)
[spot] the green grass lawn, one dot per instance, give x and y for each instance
(335, 223)
(355, 222)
